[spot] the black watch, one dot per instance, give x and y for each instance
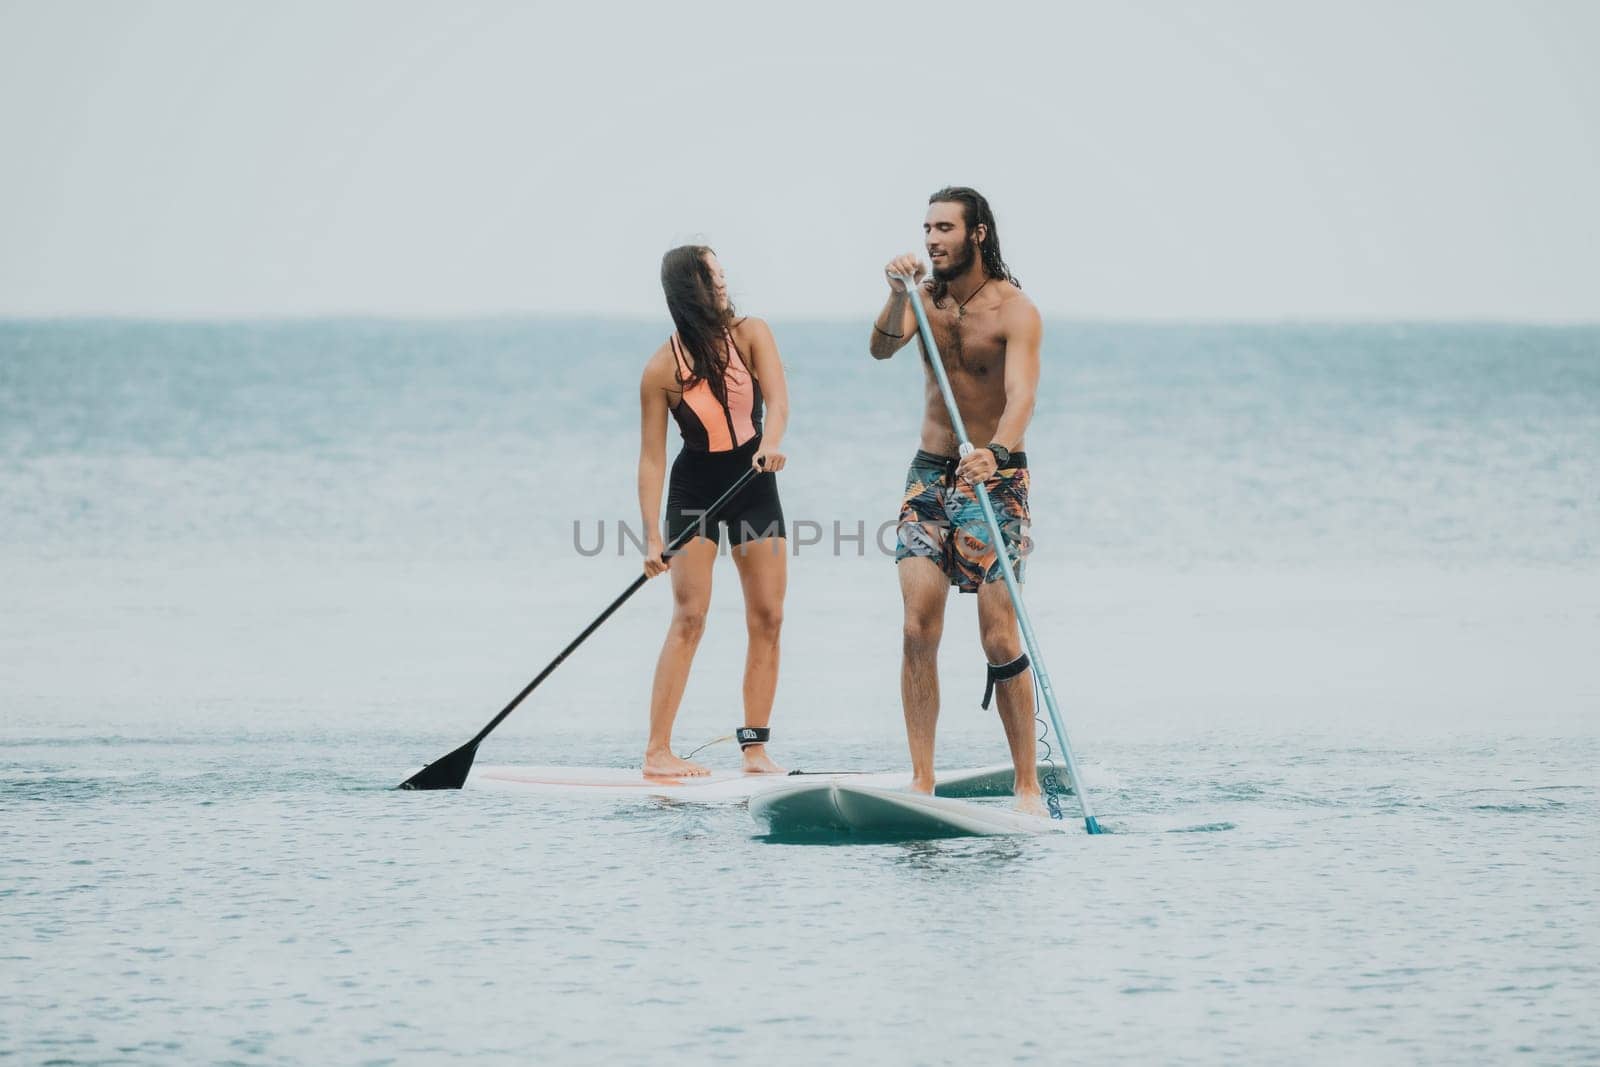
(1002, 456)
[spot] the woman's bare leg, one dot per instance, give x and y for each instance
(691, 596)
(764, 574)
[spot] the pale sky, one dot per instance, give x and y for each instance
(1272, 159)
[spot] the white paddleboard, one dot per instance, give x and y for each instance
(872, 810)
(721, 787)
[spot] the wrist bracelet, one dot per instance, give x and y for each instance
(886, 333)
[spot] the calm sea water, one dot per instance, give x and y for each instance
(1322, 604)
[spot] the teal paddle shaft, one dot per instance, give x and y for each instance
(1090, 823)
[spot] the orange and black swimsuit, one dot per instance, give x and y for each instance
(706, 424)
(718, 443)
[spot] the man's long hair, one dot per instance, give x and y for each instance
(702, 326)
(975, 211)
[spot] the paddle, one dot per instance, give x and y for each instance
(1090, 823)
(450, 772)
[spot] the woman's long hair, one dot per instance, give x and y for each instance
(702, 326)
(975, 210)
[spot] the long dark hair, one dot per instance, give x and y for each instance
(975, 211)
(702, 326)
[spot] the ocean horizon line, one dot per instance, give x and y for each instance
(597, 317)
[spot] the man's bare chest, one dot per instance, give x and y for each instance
(973, 345)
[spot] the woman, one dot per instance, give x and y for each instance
(713, 376)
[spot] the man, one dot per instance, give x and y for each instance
(988, 336)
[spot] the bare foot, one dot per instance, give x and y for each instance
(919, 785)
(1030, 803)
(666, 765)
(756, 761)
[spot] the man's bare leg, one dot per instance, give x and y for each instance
(691, 597)
(763, 574)
(1002, 643)
(924, 589)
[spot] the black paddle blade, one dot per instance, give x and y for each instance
(447, 772)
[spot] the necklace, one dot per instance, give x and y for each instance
(957, 349)
(961, 308)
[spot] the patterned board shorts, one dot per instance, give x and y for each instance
(942, 520)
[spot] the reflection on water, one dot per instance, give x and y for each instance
(960, 859)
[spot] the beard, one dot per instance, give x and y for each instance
(957, 267)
